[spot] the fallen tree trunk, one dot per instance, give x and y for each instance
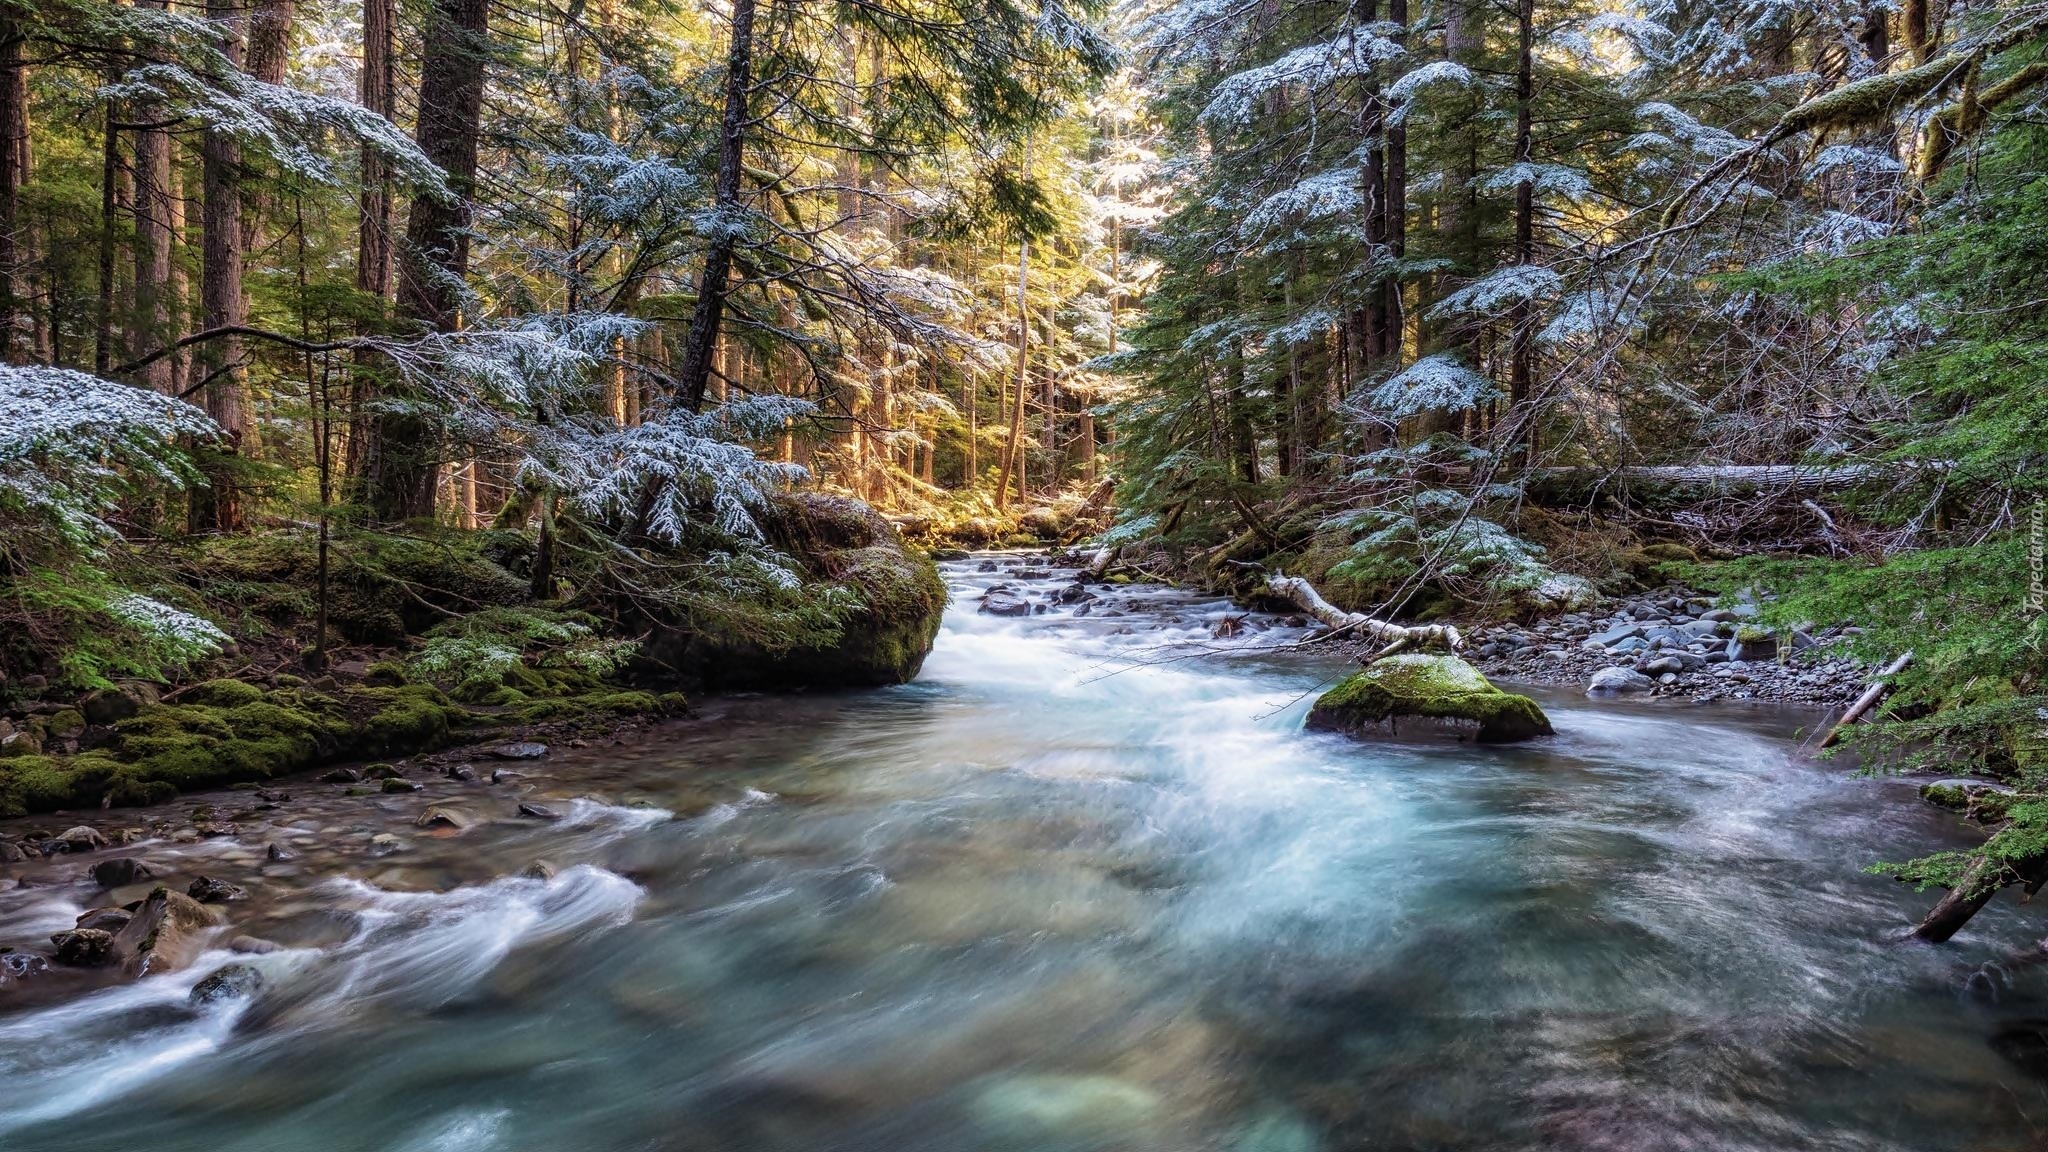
(1099, 564)
(1975, 889)
(1871, 695)
(1562, 483)
(1396, 637)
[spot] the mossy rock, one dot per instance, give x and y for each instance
(897, 599)
(165, 749)
(1421, 694)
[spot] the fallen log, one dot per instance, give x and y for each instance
(1396, 637)
(1871, 696)
(1713, 478)
(1975, 889)
(1099, 564)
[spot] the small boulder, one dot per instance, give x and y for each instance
(440, 816)
(167, 933)
(538, 811)
(208, 890)
(522, 750)
(1661, 665)
(384, 844)
(234, 982)
(278, 852)
(381, 772)
(463, 772)
(119, 871)
(1616, 681)
(84, 947)
(400, 784)
(254, 946)
(82, 839)
(1003, 600)
(538, 870)
(343, 776)
(104, 919)
(109, 705)
(1423, 694)
(506, 776)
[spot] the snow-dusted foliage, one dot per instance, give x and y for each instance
(1671, 127)
(676, 470)
(1355, 52)
(1500, 290)
(1322, 196)
(1548, 180)
(1432, 384)
(70, 443)
(176, 634)
(287, 124)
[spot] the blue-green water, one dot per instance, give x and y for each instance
(1077, 889)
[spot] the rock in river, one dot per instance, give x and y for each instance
(1608, 681)
(120, 870)
(1420, 694)
(1003, 600)
(524, 750)
(233, 982)
(207, 890)
(167, 932)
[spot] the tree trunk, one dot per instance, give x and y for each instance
(1013, 448)
(1522, 337)
(376, 89)
(694, 375)
(217, 507)
(405, 467)
(110, 214)
(13, 169)
(152, 325)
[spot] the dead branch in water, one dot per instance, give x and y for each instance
(1395, 637)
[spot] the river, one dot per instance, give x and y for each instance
(1085, 885)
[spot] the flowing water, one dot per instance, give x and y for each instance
(1085, 885)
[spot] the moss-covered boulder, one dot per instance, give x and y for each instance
(1417, 694)
(865, 614)
(228, 732)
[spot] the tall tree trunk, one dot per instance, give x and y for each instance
(268, 55)
(1521, 318)
(151, 326)
(404, 472)
(110, 219)
(376, 89)
(694, 376)
(1013, 447)
(218, 506)
(13, 169)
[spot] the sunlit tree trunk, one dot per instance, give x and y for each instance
(694, 376)
(13, 171)
(432, 264)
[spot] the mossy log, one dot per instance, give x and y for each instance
(1422, 694)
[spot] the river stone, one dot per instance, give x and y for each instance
(441, 816)
(1003, 600)
(1660, 666)
(234, 982)
(1618, 633)
(208, 890)
(84, 947)
(522, 750)
(538, 811)
(119, 871)
(400, 784)
(166, 934)
(1617, 680)
(82, 839)
(1418, 693)
(104, 919)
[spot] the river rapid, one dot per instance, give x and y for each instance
(1085, 885)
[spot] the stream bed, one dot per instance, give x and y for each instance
(1085, 885)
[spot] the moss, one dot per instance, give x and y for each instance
(1665, 551)
(405, 719)
(614, 703)
(1980, 803)
(1443, 692)
(223, 693)
(67, 722)
(387, 674)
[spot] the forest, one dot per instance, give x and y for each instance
(382, 380)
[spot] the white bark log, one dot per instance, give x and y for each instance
(1394, 636)
(1870, 696)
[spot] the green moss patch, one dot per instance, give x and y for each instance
(1420, 694)
(226, 732)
